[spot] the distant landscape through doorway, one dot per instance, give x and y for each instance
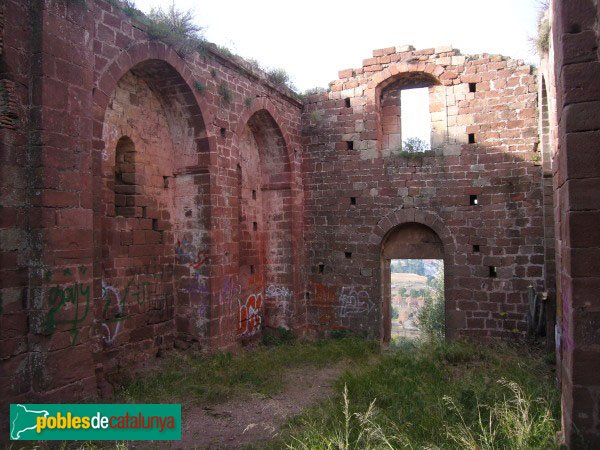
(417, 297)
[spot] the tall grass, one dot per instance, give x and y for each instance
(438, 395)
(515, 422)
(353, 430)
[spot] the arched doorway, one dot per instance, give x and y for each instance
(407, 241)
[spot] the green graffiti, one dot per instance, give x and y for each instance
(48, 275)
(67, 272)
(59, 298)
(82, 270)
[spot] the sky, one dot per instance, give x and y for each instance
(415, 119)
(314, 39)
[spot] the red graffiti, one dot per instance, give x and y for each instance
(250, 315)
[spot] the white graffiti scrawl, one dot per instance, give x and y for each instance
(282, 297)
(354, 303)
(108, 292)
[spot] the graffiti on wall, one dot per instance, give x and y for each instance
(143, 292)
(202, 319)
(250, 315)
(282, 297)
(336, 306)
(111, 296)
(229, 295)
(66, 301)
(195, 259)
(353, 302)
(69, 304)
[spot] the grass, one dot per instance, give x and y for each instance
(225, 93)
(437, 395)
(200, 378)
(427, 394)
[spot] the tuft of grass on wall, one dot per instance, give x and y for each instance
(543, 38)
(200, 87)
(225, 93)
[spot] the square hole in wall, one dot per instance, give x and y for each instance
(348, 255)
(353, 200)
(347, 101)
(321, 268)
(165, 182)
(307, 295)
(251, 269)
(253, 194)
(476, 248)
(471, 138)
(349, 145)
(493, 271)
(155, 224)
(472, 87)
(223, 131)
(254, 226)
(473, 200)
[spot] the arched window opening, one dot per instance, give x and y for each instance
(411, 108)
(126, 180)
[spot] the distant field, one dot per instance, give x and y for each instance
(412, 278)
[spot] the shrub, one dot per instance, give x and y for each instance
(542, 41)
(415, 145)
(174, 27)
(430, 318)
(278, 76)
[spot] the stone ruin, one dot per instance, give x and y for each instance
(152, 200)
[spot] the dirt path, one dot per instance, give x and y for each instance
(243, 422)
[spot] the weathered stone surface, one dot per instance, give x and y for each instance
(184, 201)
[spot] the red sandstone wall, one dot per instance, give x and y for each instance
(577, 185)
(15, 180)
(103, 271)
(434, 190)
(108, 260)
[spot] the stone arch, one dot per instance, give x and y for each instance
(152, 57)
(388, 75)
(386, 86)
(266, 105)
(139, 255)
(265, 226)
(433, 239)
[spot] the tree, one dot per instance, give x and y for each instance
(430, 318)
(415, 145)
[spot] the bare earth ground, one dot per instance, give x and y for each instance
(252, 420)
